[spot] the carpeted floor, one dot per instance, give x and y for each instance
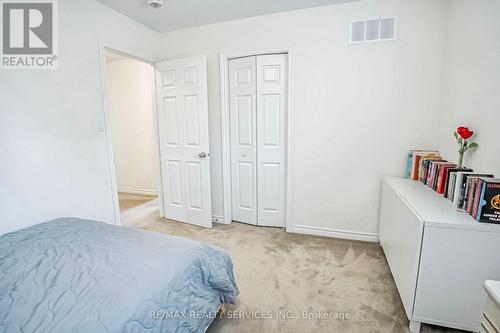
(128, 200)
(134, 207)
(301, 277)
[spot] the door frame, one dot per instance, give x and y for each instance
(104, 46)
(226, 131)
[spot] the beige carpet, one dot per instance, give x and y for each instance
(134, 207)
(129, 201)
(296, 274)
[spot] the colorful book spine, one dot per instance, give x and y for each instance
(421, 168)
(436, 176)
(416, 161)
(453, 175)
(451, 185)
(428, 170)
(469, 200)
(447, 180)
(457, 193)
(482, 202)
(432, 169)
(489, 210)
(409, 164)
(477, 197)
(464, 191)
(443, 177)
(424, 172)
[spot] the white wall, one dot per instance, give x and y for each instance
(53, 161)
(130, 93)
(471, 84)
(358, 109)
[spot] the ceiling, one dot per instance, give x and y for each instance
(180, 14)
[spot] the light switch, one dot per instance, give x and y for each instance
(100, 125)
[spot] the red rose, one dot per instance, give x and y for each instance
(464, 132)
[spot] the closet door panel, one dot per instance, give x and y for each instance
(242, 105)
(271, 139)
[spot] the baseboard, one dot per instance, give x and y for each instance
(218, 219)
(131, 190)
(334, 233)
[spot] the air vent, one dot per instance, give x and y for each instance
(372, 30)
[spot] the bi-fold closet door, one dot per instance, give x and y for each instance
(258, 115)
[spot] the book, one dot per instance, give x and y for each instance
(443, 177)
(450, 185)
(434, 173)
(430, 173)
(477, 197)
(465, 189)
(424, 165)
(436, 176)
(424, 171)
(409, 163)
(457, 192)
(471, 191)
(417, 155)
(489, 208)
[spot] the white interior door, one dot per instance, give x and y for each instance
(242, 106)
(181, 89)
(271, 139)
(258, 111)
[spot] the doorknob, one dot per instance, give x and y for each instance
(244, 154)
(202, 155)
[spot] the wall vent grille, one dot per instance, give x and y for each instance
(380, 29)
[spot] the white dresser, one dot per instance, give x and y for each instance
(439, 258)
(491, 316)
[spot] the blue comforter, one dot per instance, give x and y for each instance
(70, 275)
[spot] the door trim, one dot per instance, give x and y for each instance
(226, 131)
(104, 46)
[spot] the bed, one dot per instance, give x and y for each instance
(71, 275)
